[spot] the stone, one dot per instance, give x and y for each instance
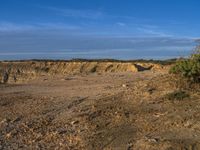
(5, 77)
(124, 85)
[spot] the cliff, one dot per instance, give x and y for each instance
(11, 72)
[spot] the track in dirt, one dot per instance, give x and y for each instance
(107, 111)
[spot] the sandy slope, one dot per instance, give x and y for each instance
(119, 111)
(22, 71)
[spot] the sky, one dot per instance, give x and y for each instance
(117, 29)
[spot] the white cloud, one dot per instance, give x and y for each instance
(122, 24)
(153, 32)
(8, 26)
(77, 13)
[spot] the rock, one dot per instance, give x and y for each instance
(124, 85)
(62, 131)
(151, 90)
(17, 119)
(130, 146)
(74, 122)
(5, 77)
(4, 122)
(188, 124)
(15, 78)
(153, 140)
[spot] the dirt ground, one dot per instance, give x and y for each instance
(112, 111)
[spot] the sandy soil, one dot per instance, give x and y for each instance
(119, 111)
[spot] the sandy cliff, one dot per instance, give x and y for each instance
(21, 71)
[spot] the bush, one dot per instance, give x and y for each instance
(188, 68)
(177, 95)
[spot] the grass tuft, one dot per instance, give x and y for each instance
(177, 95)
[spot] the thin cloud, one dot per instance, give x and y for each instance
(58, 26)
(8, 26)
(152, 32)
(77, 13)
(88, 14)
(122, 24)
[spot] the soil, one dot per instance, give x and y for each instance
(111, 111)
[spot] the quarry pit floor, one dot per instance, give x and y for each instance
(118, 111)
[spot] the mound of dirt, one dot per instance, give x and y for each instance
(11, 72)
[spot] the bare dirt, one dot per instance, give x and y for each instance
(111, 111)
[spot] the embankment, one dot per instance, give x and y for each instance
(19, 71)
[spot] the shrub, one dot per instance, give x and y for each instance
(188, 68)
(177, 95)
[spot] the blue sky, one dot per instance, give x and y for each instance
(131, 29)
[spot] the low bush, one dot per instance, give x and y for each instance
(188, 68)
(177, 95)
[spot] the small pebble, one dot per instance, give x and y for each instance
(124, 85)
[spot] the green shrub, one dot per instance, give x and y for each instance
(188, 68)
(177, 95)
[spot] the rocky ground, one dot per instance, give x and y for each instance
(111, 111)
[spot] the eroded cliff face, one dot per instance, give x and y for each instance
(11, 72)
